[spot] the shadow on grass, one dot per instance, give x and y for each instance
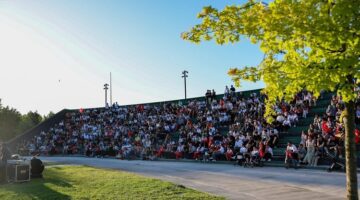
(47, 188)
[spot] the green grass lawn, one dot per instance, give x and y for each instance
(80, 182)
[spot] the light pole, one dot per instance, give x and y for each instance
(111, 103)
(184, 75)
(106, 87)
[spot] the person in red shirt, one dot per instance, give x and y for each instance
(261, 150)
(179, 151)
(130, 134)
(210, 141)
(229, 154)
(189, 124)
(160, 152)
(222, 104)
(325, 128)
(357, 136)
(283, 108)
(197, 153)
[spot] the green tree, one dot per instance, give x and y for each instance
(13, 123)
(49, 115)
(9, 121)
(28, 121)
(34, 117)
(311, 44)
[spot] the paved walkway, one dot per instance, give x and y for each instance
(232, 182)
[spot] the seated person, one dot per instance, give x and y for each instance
(160, 152)
(301, 152)
(291, 155)
(229, 154)
(254, 154)
(198, 153)
(37, 168)
(240, 156)
(218, 152)
(268, 153)
(336, 162)
(274, 139)
(179, 152)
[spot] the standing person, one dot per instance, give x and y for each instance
(227, 91)
(310, 154)
(4, 155)
(232, 90)
(213, 95)
(208, 97)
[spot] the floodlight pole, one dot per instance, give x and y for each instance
(106, 87)
(111, 103)
(184, 75)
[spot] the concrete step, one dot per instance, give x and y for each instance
(323, 103)
(305, 121)
(318, 110)
(298, 129)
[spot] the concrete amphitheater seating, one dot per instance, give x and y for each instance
(293, 134)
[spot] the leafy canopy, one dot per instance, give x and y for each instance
(13, 123)
(308, 44)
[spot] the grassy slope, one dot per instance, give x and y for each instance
(79, 182)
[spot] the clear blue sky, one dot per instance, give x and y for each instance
(58, 54)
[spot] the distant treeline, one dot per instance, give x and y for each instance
(13, 123)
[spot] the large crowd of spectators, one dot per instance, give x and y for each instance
(214, 128)
(325, 135)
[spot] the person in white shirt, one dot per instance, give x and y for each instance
(212, 131)
(243, 150)
(280, 118)
(291, 147)
(217, 153)
(291, 155)
(227, 91)
(254, 152)
(229, 106)
(293, 118)
(209, 118)
(238, 143)
(268, 153)
(286, 123)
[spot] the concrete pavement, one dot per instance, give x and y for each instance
(232, 182)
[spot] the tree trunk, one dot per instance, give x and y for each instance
(350, 151)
